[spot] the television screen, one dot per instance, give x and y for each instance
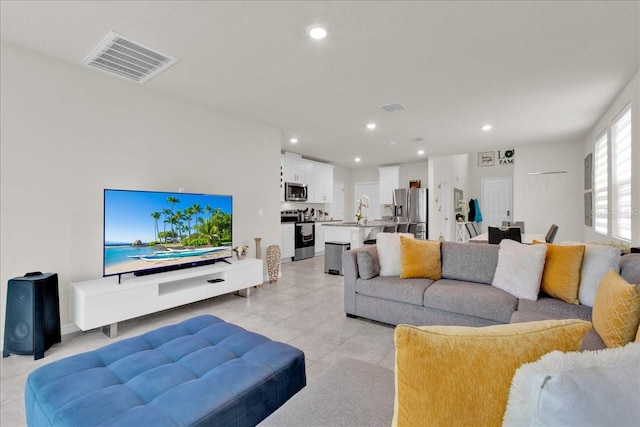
(147, 231)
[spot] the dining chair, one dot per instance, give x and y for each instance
(471, 229)
(519, 224)
(496, 235)
(551, 234)
(390, 228)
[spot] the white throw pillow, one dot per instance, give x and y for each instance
(390, 253)
(597, 261)
(591, 388)
(520, 269)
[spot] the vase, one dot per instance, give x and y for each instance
(258, 252)
(240, 257)
(273, 262)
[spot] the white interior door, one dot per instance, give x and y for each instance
(372, 191)
(336, 209)
(497, 201)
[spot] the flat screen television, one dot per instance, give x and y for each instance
(149, 232)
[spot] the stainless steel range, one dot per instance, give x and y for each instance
(305, 233)
(305, 240)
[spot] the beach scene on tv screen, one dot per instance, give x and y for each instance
(149, 230)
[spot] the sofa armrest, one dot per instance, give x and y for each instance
(351, 275)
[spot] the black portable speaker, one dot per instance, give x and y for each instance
(32, 318)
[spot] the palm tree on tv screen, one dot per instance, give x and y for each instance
(156, 217)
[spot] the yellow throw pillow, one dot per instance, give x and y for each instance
(459, 375)
(561, 276)
(420, 258)
(616, 310)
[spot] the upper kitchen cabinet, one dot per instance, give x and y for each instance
(317, 176)
(295, 170)
(323, 191)
(389, 180)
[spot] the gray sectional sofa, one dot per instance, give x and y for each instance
(356, 393)
(464, 296)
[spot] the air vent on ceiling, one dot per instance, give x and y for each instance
(128, 59)
(390, 108)
(417, 139)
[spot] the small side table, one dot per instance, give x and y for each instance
(461, 232)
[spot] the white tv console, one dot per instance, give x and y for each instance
(105, 302)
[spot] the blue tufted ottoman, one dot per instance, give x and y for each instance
(203, 371)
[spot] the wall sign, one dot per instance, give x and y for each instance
(486, 158)
(506, 157)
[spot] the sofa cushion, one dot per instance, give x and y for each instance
(471, 299)
(598, 259)
(470, 262)
(630, 268)
(410, 291)
(389, 253)
(555, 308)
(368, 264)
(420, 259)
(579, 389)
(456, 375)
(561, 276)
(616, 310)
(519, 269)
(592, 340)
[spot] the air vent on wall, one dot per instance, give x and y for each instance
(123, 57)
(390, 108)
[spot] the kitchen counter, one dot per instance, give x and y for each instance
(351, 232)
(369, 224)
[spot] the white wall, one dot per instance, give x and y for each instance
(630, 94)
(455, 170)
(557, 198)
(68, 132)
(478, 173)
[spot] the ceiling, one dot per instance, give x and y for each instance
(538, 71)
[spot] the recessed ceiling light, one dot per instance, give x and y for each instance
(293, 140)
(357, 159)
(371, 126)
(317, 33)
(420, 152)
(486, 128)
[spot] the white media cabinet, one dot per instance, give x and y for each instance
(105, 302)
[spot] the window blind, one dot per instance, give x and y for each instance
(621, 183)
(600, 188)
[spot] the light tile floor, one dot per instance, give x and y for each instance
(305, 309)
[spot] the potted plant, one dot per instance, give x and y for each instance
(241, 251)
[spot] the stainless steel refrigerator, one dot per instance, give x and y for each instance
(411, 205)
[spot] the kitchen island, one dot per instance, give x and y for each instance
(352, 232)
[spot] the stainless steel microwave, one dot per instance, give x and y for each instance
(294, 192)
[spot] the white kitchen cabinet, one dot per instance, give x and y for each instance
(317, 176)
(319, 238)
(288, 240)
(310, 177)
(295, 170)
(323, 191)
(389, 181)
